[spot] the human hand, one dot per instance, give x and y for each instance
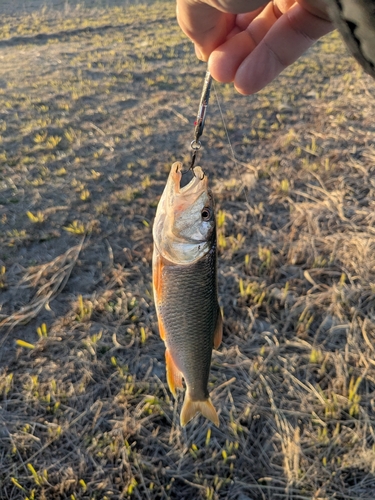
(249, 42)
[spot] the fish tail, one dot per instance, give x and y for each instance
(190, 408)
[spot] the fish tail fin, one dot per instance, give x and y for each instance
(190, 408)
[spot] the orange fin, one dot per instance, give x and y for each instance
(218, 334)
(161, 329)
(191, 408)
(157, 269)
(174, 376)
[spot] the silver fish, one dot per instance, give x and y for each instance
(185, 288)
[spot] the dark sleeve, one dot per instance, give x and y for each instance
(355, 19)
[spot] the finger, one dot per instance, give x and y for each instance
(243, 20)
(317, 7)
(233, 6)
(241, 24)
(261, 25)
(209, 22)
(224, 62)
(204, 25)
(290, 36)
(226, 59)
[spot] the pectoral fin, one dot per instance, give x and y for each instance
(191, 408)
(157, 269)
(218, 334)
(174, 376)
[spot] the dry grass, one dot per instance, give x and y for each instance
(96, 103)
(49, 279)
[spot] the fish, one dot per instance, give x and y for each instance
(185, 288)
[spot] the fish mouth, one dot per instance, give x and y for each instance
(197, 185)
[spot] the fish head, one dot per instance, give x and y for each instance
(184, 229)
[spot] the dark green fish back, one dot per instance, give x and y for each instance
(189, 311)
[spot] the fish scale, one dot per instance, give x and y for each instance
(189, 307)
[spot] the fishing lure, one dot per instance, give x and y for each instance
(201, 117)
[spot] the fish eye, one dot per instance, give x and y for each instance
(206, 214)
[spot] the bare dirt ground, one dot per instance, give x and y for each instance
(97, 101)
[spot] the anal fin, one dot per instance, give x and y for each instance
(218, 334)
(190, 408)
(174, 376)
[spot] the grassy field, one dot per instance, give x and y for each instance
(96, 102)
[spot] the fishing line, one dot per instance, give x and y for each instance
(199, 126)
(229, 141)
(235, 161)
(253, 233)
